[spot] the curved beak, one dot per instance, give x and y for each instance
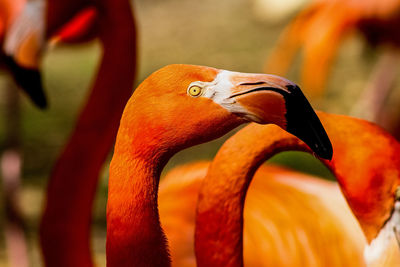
(266, 99)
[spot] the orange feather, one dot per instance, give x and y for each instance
(365, 162)
(65, 226)
(64, 230)
(281, 209)
(323, 25)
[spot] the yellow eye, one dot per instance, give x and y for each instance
(194, 90)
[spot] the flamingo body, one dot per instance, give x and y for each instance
(280, 212)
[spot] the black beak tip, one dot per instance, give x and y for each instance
(29, 80)
(40, 102)
(324, 152)
(303, 122)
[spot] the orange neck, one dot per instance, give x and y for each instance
(65, 226)
(134, 234)
(223, 193)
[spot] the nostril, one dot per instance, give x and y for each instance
(277, 90)
(256, 83)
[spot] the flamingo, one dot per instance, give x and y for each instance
(366, 164)
(321, 27)
(65, 225)
(22, 31)
(20, 44)
(64, 230)
(176, 107)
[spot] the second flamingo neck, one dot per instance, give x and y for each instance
(222, 198)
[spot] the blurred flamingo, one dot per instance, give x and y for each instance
(322, 26)
(14, 227)
(20, 22)
(22, 41)
(20, 47)
(366, 164)
(174, 108)
(65, 226)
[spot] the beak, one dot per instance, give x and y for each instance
(23, 43)
(30, 80)
(272, 99)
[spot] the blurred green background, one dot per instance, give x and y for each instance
(224, 34)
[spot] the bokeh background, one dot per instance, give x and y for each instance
(236, 35)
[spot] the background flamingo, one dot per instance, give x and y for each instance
(20, 22)
(64, 230)
(76, 21)
(369, 187)
(165, 101)
(319, 31)
(14, 228)
(23, 63)
(19, 47)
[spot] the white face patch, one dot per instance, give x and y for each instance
(30, 22)
(219, 90)
(389, 233)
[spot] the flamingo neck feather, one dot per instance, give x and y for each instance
(222, 199)
(377, 248)
(134, 233)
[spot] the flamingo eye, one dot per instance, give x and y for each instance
(194, 90)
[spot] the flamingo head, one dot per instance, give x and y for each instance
(23, 43)
(366, 164)
(183, 105)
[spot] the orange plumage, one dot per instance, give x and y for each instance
(158, 122)
(23, 39)
(65, 230)
(322, 26)
(365, 162)
(280, 215)
(65, 226)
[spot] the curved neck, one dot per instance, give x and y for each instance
(134, 234)
(219, 218)
(65, 226)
